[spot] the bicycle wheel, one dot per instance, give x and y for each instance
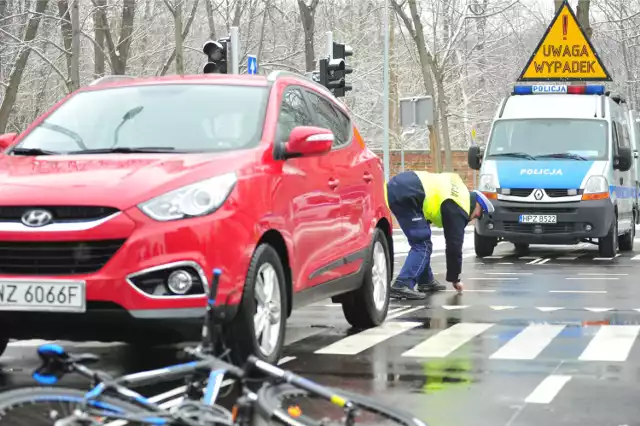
(273, 402)
(39, 406)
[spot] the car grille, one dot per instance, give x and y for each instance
(539, 210)
(56, 258)
(553, 193)
(544, 228)
(60, 213)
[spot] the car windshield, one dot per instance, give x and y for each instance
(176, 117)
(532, 139)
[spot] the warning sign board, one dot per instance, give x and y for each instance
(564, 53)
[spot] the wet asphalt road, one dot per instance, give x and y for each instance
(544, 337)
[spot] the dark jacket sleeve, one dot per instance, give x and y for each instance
(454, 222)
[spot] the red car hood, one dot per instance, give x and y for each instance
(116, 180)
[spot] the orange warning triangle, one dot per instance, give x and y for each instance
(564, 53)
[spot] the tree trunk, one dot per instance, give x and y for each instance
(98, 51)
(67, 32)
(74, 75)
(307, 16)
(18, 67)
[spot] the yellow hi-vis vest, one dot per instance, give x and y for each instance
(439, 187)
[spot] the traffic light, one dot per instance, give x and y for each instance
(340, 52)
(216, 52)
(329, 69)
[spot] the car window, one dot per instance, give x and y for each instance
(330, 118)
(184, 117)
(293, 113)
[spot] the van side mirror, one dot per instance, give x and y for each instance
(474, 157)
(7, 140)
(623, 160)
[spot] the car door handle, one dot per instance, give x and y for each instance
(621, 181)
(367, 177)
(333, 183)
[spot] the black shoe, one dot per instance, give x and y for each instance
(432, 286)
(405, 292)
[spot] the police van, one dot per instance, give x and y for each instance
(557, 166)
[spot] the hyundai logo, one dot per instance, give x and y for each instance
(36, 218)
(537, 194)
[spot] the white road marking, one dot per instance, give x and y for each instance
(471, 290)
(567, 258)
(533, 262)
(494, 257)
(598, 309)
(454, 307)
(508, 273)
(364, 340)
(529, 342)
(611, 343)
(548, 309)
(443, 343)
(543, 261)
(492, 279)
(505, 263)
(579, 291)
(592, 278)
(529, 257)
(465, 256)
(547, 390)
(606, 258)
(502, 308)
(636, 257)
(603, 274)
(397, 314)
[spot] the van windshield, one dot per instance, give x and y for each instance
(534, 139)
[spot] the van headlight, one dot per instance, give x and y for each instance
(596, 185)
(197, 199)
(488, 183)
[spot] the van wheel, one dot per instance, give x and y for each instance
(626, 240)
(4, 342)
(608, 246)
(483, 245)
(367, 306)
(259, 326)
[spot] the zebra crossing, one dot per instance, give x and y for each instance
(491, 340)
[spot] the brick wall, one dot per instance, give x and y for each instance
(422, 160)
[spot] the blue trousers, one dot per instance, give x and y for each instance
(406, 197)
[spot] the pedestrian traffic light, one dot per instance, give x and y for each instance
(340, 52)
(216, 52)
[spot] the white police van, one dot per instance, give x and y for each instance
(557, 168)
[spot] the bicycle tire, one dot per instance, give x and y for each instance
(270, 398)
(33, 397)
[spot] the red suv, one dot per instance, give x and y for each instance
(117, 205)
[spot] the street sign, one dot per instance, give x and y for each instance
(416, 111)
(252, 64)
(564, 53)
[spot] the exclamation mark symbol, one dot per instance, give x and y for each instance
(565, 21)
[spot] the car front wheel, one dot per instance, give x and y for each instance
(259, 326)
(367, 306)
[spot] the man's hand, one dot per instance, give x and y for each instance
(458, 286)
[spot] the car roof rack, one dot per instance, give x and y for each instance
(110, 79)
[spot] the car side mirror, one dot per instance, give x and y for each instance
(7, 140)
(623, 160)
(474, 157)
(307, 141)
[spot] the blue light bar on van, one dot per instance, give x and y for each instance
(558, 88)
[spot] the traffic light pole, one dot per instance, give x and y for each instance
(235, 51)
(330, 44)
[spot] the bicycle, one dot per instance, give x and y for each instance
(111, 399)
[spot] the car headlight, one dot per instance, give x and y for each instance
(596, 185)
(488, 183)
(197, 199)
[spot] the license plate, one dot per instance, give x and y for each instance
(538, 218)
(44, 296)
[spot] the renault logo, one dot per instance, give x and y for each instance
(537, 194)
(36, 218)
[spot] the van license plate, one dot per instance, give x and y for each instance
(538, 218)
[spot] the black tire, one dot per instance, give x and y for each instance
(521, 247)
(271, 397)
(483, 245)
(626, 240)
(240, 334)
(608, 246)
(4, 342)
(359, 306)
(34, 406)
